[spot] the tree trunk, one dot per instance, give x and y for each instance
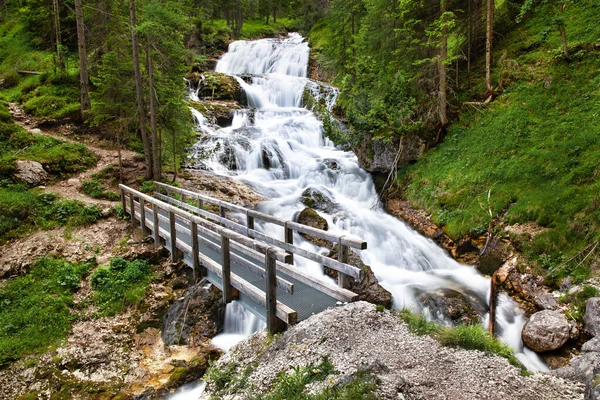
(442, 66)
(477, 27)
(153, 111)
(138, 90)
(563, 35)
(275, 14)
(488, 47)
(57, 36)
(83, 72)
(469, 37)
(174, 156)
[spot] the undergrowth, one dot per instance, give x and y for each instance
(532, 154)
(470, 337)
(120, 284)
(35, 308)
(96, 190)
(25, 211)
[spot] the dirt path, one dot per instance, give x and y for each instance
(70, 188)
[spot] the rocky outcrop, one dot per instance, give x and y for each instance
(216, 86)
(318, 199)
(528, 287)
(217, 112)
(356, 337)
(592, 316)
(452, 306)
(546, 330)
(378, 157)
(30, 172)
(194, 318)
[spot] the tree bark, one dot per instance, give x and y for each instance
(488, 46)
(57, 36)
(477, 27)
(153, 111)
(442, 67)
(138, 90)
(563, 35)
(83, 72)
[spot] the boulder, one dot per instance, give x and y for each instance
(546, 330)
(367, 288)
(452, 306)
(378, 157)
(216, 86)
(30, 173)
(319, 199)
(592, 316)
(310, 217)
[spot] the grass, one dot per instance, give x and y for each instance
(120, 284)
(293, 384)
(96, 190)
(25, 211)
(534, 150)
(577, 301)
(257, 29)
(470, 337)
(36, 307)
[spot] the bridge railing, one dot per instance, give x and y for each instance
(180, 220)
(343, 242)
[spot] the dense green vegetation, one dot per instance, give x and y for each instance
(470, 337)
(120, 284)
(36, 307)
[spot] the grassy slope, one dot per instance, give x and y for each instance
(536, 147)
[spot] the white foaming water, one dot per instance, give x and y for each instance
(239, 324)
(278, 148)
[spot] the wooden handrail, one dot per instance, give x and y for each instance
(297, 227)
(344, 268)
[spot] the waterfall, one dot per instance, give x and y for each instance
(239, 324)
(278, 148)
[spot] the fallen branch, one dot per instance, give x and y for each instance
(29, 72)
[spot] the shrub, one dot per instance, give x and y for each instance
(96, 190)
(35, 308)
(120, 284)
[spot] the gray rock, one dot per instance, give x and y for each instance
(30, 173)
(592, 345)
(545, 301)
(452, 306)
(592, 316)
(377, 156)
(546, 330)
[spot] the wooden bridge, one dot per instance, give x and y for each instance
(254, 267)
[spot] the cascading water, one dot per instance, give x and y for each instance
(278, 148)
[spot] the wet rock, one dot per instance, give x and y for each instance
(310, 217)
(377, 156)
(545, 331)
(318, 199)
(217, 112)
(193, 319)
(194, 369)
(592, 316)
(367, 288)
(30, 172)
(452, 306)
(216, 86)
(495, 255)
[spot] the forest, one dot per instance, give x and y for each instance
(488, 111)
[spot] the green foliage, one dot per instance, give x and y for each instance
(577, 301)
(418, 324)
(24, 211)
(257, 29)
(94, 189)
(147, 187)
(120, 284)
(35, 308)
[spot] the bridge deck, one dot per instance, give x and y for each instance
(305, 300)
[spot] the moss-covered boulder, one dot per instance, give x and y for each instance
(216, 86)
(217, 112)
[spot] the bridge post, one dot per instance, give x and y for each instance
(155, 227)
(132, 209)
(200, 204)
(274, 324)
(249, 221)
(123, 201)
(226, 268)
(143, 226)
(289, 238)
(343, 258)
(222, 211)
(198, 270)
(173, 237)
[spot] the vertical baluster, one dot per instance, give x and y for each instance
(342, 257)
(143, 219)
(289, 238)
(173, 236)
(132, 209)
(274, 324)
(226, 268)
(156, 227)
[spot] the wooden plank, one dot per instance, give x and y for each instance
(282, 284)
(195, 251)
(222, 230)
(226, 268)
(143, 219)
(155, 232)
(342, 257)
(290, 248)
(348, 241)
(173, 237)
(273, 325)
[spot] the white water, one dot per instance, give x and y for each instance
(278, 148)
(239, 324)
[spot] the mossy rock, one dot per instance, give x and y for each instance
(216, 86)
(194, 369)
